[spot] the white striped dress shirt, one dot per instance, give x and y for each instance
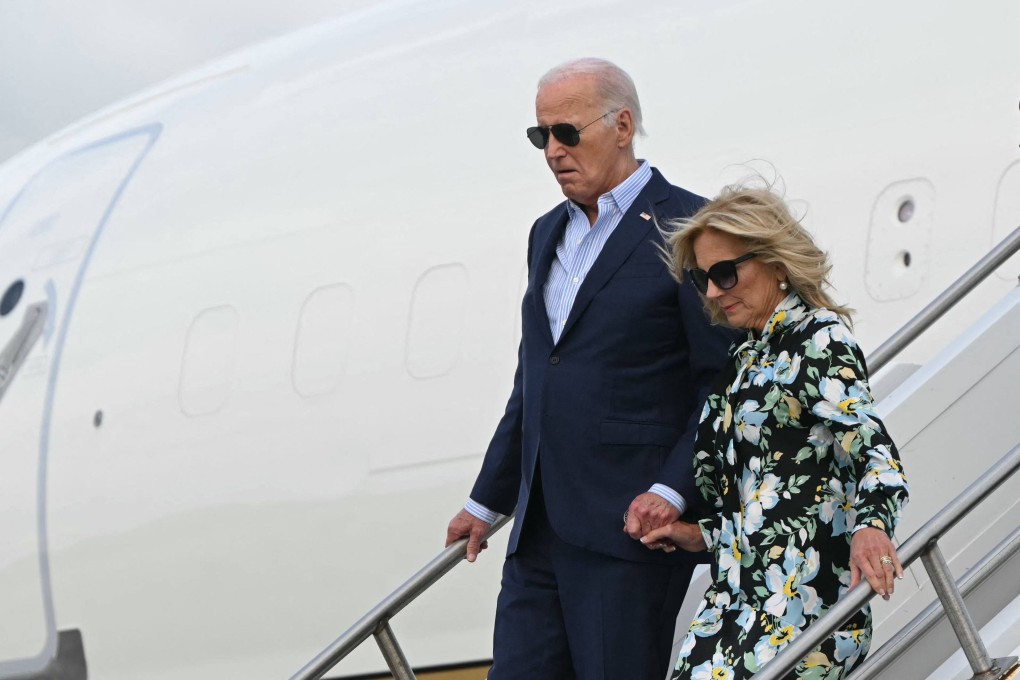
(581, 244)
(575, 254)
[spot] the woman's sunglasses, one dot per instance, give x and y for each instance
(565, 133)
(723, 274)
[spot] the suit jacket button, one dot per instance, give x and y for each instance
(554, 360)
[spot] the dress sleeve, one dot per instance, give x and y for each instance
(708, 478)
(834, 388)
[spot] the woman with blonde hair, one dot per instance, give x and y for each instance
(804, 485)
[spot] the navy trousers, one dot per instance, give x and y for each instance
(565, 613)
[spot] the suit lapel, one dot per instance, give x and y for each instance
(629, 233)
(541, 263)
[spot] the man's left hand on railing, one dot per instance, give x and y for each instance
(465, 524)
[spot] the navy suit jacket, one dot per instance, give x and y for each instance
(613, 406)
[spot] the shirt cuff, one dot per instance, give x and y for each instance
(479, 511)
(675, 499)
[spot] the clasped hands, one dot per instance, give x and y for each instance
(655, 522)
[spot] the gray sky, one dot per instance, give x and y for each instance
(62, 59)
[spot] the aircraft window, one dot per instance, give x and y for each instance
(905, 212)
(322, 341)
(208, 367)
(436, 322)
(11, 297)
(897, 259)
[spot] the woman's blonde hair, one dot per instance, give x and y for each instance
(762, 220)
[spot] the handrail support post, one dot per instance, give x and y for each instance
(392, 652)
(966, 631)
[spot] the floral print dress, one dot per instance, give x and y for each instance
(793, 459)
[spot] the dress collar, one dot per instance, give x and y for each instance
(788, 313)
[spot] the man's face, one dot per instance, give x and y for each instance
(591, 168)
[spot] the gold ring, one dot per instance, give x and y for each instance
(885, 559)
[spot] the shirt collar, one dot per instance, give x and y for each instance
(623, 195)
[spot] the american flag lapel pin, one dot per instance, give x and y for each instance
(646, 216)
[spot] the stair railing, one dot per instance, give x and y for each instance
(996, 558)
(922, 544)
(377, 622)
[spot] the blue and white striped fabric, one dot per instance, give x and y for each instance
(575, 254)
(582, 242)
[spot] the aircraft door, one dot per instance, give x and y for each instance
(48, 234)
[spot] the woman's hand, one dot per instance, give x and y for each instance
(675, 534)
(874, 555)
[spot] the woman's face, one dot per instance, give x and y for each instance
(749, 303)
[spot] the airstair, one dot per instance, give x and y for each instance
(956, 420)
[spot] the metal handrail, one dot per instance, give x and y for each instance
(376, 622)
(998, 255)
(923, 543)
(935, 612)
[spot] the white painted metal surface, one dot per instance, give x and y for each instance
(365, 178)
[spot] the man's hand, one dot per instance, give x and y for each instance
(465, 524)
(647, 512)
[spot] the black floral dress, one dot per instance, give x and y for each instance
(793, 458)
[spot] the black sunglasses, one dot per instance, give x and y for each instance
(723, 274)
(565, 133)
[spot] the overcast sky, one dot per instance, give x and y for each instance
(63, 59)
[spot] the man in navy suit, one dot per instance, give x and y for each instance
(594, 449)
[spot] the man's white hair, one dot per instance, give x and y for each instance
(615, 87)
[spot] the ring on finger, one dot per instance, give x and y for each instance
(885, 559)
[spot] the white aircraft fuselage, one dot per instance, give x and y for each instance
(282, 293)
